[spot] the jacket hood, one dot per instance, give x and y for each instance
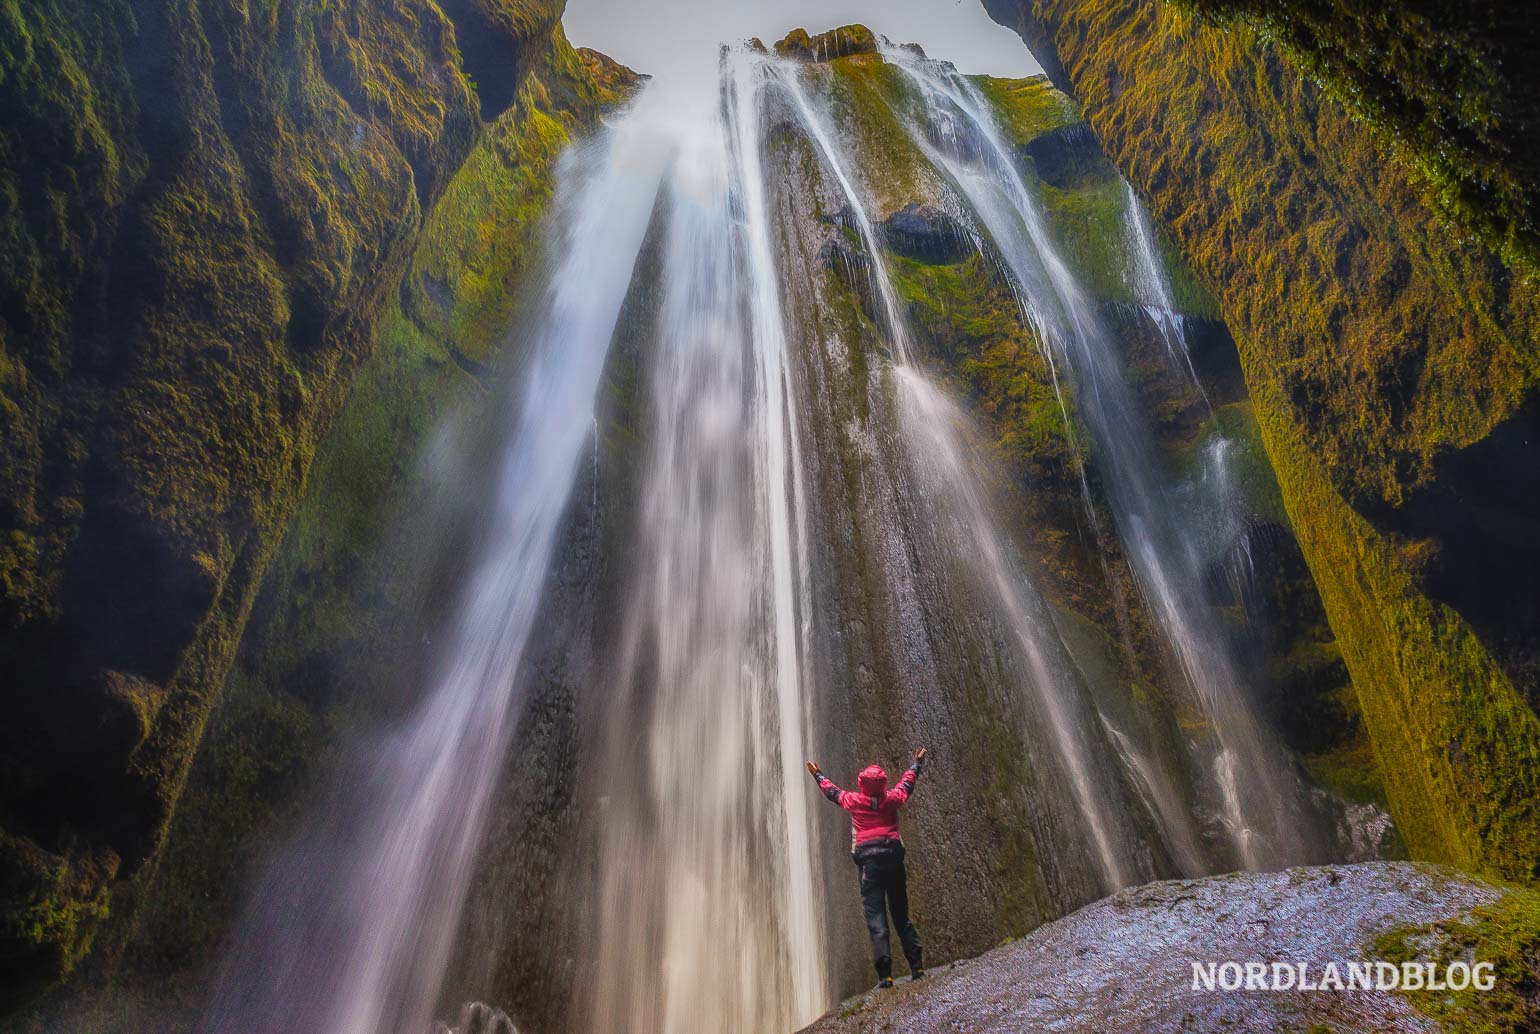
(873, 780)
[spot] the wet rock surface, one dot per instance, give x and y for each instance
(478, 1018)
(926, 233)
(1126, 962)
(1362, 472)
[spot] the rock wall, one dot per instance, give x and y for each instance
(918, 667)
(207, 208)
(1443, 87)
(1392, 365)
(1126, 962)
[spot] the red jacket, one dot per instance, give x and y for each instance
(873, 811)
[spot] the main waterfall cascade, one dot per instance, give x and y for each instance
(713, 844)
(818, 560)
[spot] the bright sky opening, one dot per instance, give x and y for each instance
(652, 35)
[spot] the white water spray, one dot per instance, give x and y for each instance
(1262, 801)
(708, 916)
(1151, 286)
(352, 929)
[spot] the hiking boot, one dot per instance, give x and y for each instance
(885, 982)
(918, 973)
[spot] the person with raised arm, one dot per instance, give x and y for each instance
(878, 851)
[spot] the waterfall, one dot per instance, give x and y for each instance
(706, 909)
(708, 915)
(1265, 808)
(1150, 284)
(930, 425)
(350, 931)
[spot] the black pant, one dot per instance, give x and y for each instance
(885, 888)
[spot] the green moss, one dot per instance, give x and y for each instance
(50, 929)
(1350, 770)
(1027, 108)
(614, 83)
(1441, 85)
(1089, 230)
(974, 323)
(845, 41)
(1505, 934)
(1189, 293)
(1377, 348)
(869, 98)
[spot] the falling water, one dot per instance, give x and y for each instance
(351, 930)
(1151, 285)
(709, 911)
(1264, 808)
(930, 425)
(706, 905)
(930, 416)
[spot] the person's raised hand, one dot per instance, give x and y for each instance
(919, 755)
(812, 767)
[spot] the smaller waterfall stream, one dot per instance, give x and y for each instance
(1151, 285)
(1265, 811)
(930, 425)
(351, 930)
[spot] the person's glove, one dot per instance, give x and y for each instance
(813, 769)
(919, 757)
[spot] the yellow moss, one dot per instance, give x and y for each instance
(868, 95)
(1504, 935)
(1029, 107)
(1376, 346)
(1460, 749)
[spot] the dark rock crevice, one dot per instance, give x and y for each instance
(1472, 537)
(491, 35)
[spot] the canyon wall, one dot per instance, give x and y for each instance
(208, 210)
(1391, 360)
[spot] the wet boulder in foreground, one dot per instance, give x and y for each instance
(1126, 962)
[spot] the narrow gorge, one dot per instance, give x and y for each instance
(454, 481)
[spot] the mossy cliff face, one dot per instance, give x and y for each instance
(340, 634)
(1446, 87)
(204, 210)
(913, 657)
(1392, 368)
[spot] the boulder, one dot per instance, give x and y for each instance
(1127, 961)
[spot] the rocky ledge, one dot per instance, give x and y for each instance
(1126, 962)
